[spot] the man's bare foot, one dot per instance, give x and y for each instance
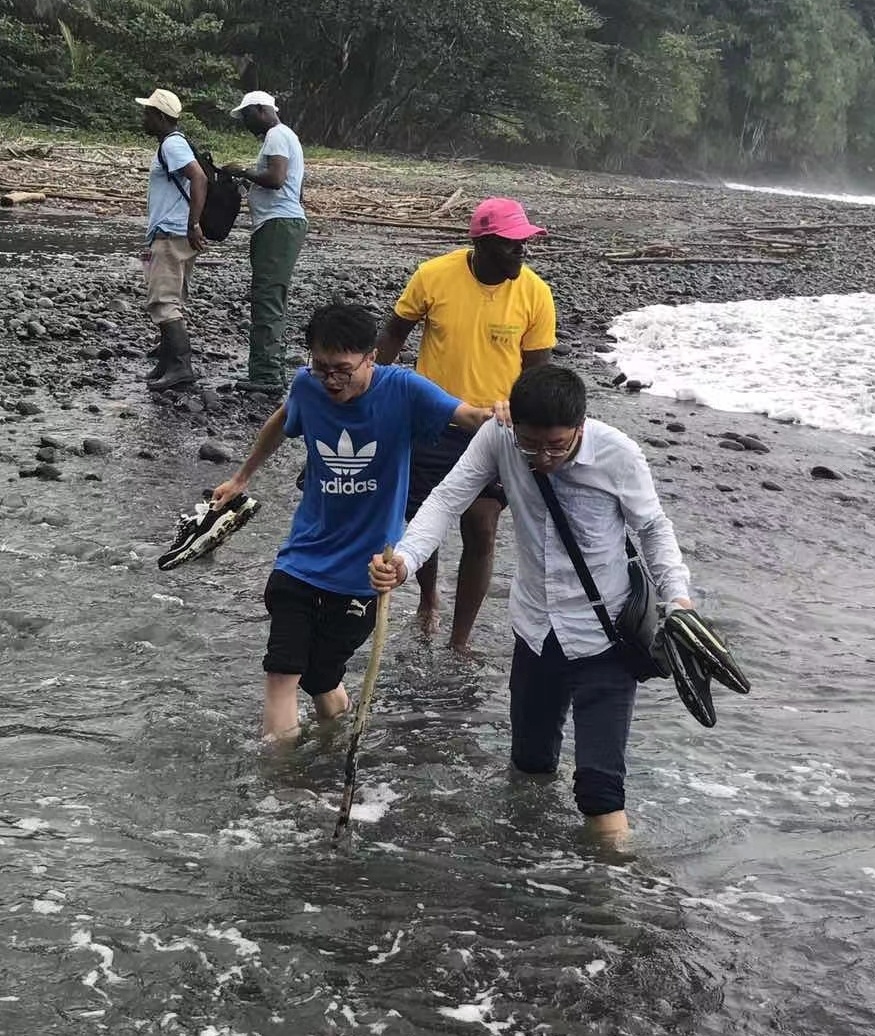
(464, 650)
(288, 737)
(429, 619)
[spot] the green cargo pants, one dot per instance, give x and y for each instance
(273, 251)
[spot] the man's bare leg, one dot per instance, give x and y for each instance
(429, 602)
(478, 526)
(332, 704)
(281, 722)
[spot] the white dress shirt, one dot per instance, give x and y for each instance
(604, 488)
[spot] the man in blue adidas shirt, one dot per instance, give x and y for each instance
(359, 422)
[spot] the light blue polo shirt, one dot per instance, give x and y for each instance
(284, 203)
(167, 209)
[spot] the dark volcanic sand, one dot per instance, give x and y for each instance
(134, 803)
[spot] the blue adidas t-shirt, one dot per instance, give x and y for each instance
(358, 469)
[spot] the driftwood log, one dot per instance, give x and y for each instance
(22, 198)
(738, 260)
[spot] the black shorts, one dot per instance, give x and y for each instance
(431, 463)
(313, 632)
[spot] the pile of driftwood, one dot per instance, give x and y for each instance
(112, 180)
(771, 244)
(115, 179)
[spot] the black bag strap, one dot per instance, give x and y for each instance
(163, 163)
(574, 552)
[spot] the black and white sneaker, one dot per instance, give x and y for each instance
(203, 531)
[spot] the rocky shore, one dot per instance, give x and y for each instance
(73, 339)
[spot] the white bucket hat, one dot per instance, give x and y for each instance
(165, 101)
(254, 97)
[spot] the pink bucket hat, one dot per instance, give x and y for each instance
(503, 217)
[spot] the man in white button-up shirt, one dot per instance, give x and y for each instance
(562, 656)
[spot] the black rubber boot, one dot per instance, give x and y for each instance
(178, 351)
(160, 351)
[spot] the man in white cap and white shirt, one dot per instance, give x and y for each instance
(177, 192)
(279, 226)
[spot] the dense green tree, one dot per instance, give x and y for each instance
(622, 83)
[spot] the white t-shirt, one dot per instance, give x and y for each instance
(284, 203)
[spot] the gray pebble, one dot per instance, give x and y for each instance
(730, 444)
(822, 471)
(95, 447)
(46, 472)
(676, 426)
(750, 442)
(773, 486)
(214, 451)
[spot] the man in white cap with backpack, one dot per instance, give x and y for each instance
(177, 192)
(279, 226)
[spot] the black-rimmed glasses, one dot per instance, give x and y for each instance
(340, 377)
(551, 452)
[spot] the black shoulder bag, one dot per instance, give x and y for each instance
(636, 625)
(222, 204)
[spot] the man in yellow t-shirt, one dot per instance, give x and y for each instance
(487, 317)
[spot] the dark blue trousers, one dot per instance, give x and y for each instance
(602, 695)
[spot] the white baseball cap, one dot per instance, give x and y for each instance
(254, 97)
(165, 101)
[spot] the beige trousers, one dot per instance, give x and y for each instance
(168, 274)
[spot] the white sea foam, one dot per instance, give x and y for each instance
(548, 888)
(81, 940)
(381, 958)
(477, 1013)
(376, 800)
(795, 192)
(47, 906)
(712, 789)
(243, 947)
(807, 359)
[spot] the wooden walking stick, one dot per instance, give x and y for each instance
(361, 713)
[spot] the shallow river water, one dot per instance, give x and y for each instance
(162, 873)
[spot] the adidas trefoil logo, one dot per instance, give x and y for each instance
(347, 461)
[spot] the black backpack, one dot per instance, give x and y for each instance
(222, 205)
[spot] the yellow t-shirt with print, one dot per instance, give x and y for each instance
(475, 334)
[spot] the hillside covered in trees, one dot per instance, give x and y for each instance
(618, 84)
